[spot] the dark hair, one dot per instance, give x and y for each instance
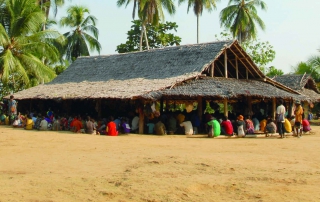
(11, 96)
(225, 118)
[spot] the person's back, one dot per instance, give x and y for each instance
(263, 124)
(172, 124)
(43, 124)
(249, 126)
(112, 129)
(29, 124)
(56, 126)
(160, 128)
(227, 126)
(187, 127)
(90, 127)
(150, 127)
(287, 126)
(216, 128)
(256, 123)
(305, 125)
(135, 124)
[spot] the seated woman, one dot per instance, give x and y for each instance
(226, 127)
(271, 128)
(111, 127)
(29, 123)
(249, 126)
(305, 125)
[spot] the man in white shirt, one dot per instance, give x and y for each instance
(281, 110)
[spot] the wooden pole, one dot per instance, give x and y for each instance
(225, 104)
(247, 75)
(274, 105)
(225, 64)
(200, 109)
(212, 70)
(161, 105)
(237, 70)
(141, 121)
(249, 106)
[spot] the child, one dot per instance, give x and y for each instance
(241, 126)
(125, 128)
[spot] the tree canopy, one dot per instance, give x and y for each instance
(158, 36)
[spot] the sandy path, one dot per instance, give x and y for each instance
(51, 166)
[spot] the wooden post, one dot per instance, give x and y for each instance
(274, 105)
(212, 70)
(237, 70)
(225, 104)
(200, 110)
(98, 108)
(161, 106)
(167, 105)
(249, 106)
(247, 75)
(141, 121)
(225, 64)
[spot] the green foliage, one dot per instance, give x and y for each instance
(24, 49)
(241, 17)
(261, 52)
(158, 36)
(309, 68)
(79, 40)
(274, 72)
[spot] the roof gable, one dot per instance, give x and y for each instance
(297, 81)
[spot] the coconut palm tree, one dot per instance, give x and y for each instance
(198, 6)
(149, 11)
(240, 16)
(23, 48)
(46, 5)
(78, 39)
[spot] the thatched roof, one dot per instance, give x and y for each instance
(223, 88)
(128, 75)
(303, 83)
(134, 75)
(297, 81)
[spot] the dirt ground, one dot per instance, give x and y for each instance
(60, 166)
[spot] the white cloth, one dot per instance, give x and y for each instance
(135, 123)
(43, 125)
(187, 127)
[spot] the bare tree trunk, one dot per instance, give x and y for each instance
(145, 36)
(198, 28)
(141, 35)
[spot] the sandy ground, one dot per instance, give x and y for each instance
(61, 166)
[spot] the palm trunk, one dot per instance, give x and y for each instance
(198, 28)
(145, 36)
(141, 35)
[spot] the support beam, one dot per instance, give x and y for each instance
(200, 109)
(239, 73)
(237, 68)
(274, 105)
(228, 71)
(244, 64)
(212, 70)
(225, 64)
(141, 121)
(161, 105)
(219, 69)
(247, 75)
(98, 107)
(254, 68)
(249, 105)
(225, 104)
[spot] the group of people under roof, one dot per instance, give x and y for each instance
(187, 122)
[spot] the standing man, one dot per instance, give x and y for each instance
(281, 110)
(12, 108)
(298, 115)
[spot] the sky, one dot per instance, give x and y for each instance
(292, 26)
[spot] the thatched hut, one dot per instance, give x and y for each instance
(305, 85)
(218, 70)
